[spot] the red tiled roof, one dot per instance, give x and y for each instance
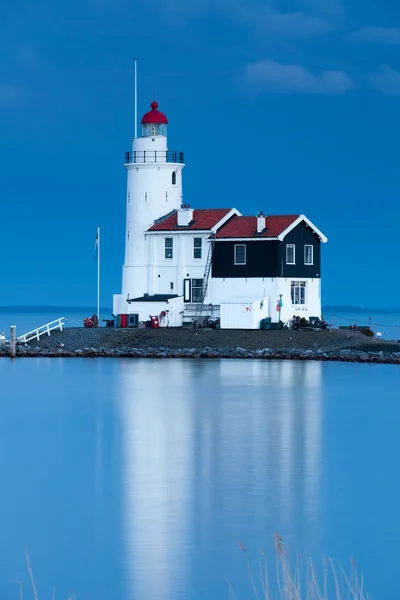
(246, 227)
(202, 219)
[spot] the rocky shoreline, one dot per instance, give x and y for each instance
(337, 345)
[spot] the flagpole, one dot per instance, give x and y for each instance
(98, 274)
(135, 98)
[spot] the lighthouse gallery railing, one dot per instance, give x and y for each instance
(154, 156)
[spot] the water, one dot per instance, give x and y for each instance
(136, 479)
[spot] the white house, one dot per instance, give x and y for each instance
(182, 262)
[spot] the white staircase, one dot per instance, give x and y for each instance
(36, 333)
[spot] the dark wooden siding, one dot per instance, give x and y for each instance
(268, 258)
(261, 259)
(300, 236)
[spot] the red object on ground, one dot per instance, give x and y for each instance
(155, 322)
(124, 321)
(154, 116)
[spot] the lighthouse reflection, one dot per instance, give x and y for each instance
(212, 451)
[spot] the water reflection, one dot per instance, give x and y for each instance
(213, 451)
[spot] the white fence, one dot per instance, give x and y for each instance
(36, 333)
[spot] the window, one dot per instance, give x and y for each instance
(298, 292)
(186, 290)
(290, 254)
(197, 247)
(174, 178)
(169, 247)
(171, 285)
(308, 255)
(197, 285)
(240, 254)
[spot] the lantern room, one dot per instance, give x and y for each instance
(154, 122)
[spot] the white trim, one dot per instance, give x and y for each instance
(234, 255)
(180, 231)
(231, 213)
(312, 254)
(301, 218)
(248, 239)
(294, 254)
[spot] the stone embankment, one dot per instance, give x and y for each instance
(347, 346)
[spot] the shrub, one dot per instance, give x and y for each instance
(367, 331)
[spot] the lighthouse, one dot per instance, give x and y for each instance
(154, 190)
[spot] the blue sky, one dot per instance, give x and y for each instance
(288, 107)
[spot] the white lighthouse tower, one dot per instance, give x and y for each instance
(154, 190)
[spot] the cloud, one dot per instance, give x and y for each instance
(332, 8)
(378, 35)
(295, 24)
(255, 14)
(271, 76)
(387, 81)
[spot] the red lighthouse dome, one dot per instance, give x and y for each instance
(154, 116)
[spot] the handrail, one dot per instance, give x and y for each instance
(154, 156)
(193, 306)
(36, 333)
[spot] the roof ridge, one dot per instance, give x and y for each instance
(267, 216)
(244, 226)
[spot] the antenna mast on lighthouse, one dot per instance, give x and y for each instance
(135, 98)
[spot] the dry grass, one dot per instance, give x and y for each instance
(300, 581)
(32, 580)
(291, 582)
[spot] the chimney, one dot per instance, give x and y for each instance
(185, 215)
(260, 222)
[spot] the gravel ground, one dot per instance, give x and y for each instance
(109, 338)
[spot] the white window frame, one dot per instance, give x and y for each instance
(294, 254)
(312, 254)
(198, 248)
(299, 284)
(171, 248)
(234, 254)
(196, 287)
